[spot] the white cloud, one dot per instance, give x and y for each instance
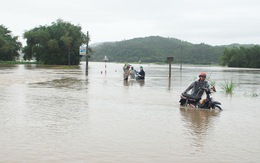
(214, 22)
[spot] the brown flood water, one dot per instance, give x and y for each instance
(61, 115)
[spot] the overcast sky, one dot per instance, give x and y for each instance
(214, 22)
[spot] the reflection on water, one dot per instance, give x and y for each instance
(198, 119)
(198, 122)
(132, 82)
(51, 114)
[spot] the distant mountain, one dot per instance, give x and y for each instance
(157, 49)
(96, 44)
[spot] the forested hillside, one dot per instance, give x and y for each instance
(157, 49)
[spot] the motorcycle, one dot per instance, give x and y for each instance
(192, 101)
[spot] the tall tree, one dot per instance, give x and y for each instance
(55, 44)
(67, 41)
(9, 45)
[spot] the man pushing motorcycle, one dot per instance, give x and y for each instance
(196, 86)
(197, 89)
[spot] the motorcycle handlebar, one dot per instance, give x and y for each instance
(205, 89)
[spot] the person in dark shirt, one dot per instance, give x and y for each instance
(199, 86)
(141, 74)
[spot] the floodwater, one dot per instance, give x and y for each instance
(48, 114)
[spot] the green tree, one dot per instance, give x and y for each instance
(55, 44)
(9, 45)
(254, 57)
(242, 57)
(67, 41)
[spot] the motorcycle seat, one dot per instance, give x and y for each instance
(188, 96)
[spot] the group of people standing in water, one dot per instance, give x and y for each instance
(129, 71)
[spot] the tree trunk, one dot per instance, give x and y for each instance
(69, 55)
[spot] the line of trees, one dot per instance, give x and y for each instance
(59, 44)
(242, 57)
(55, 44)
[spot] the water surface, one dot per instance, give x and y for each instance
(49, 114)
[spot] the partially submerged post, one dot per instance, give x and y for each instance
(181, 59)
(87, 41)
(105, 59)
(169, 60)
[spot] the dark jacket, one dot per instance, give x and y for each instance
(141, 75)
(196, 86)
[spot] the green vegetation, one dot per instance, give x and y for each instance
(212, 83)
(242, 57)
(157, 49)
(18, 62)
(64, 67)
(255, 94)
(9, 45)
(228, 87)
(57, 44)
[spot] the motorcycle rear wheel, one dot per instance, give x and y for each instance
(217, 107)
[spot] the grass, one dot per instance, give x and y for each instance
(228, 87)
(254, 94)
(63, 66)
(212, 83)
(39, 63)
(18, 62)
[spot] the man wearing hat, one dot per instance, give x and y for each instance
(196, 86)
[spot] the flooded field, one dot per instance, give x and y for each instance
(48, 114)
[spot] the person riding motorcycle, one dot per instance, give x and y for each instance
(199, 86)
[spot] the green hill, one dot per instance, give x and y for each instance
(157, 49)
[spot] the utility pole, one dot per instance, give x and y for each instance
(181, 59)
(87, 41)
(170, 59)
